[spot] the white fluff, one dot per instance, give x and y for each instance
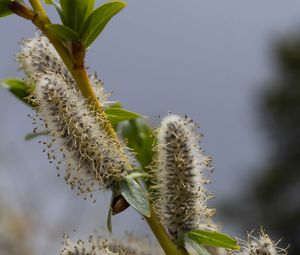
(180, 193)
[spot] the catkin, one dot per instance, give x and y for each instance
(180, 195)
(78, 140)
(129, 245)
(261, 245)
(93, 160)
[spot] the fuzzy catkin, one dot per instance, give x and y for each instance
(38, 56)
(129, 245)
(180, 194)
(92, 159)
(261, 245)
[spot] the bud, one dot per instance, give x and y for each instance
(180, 194)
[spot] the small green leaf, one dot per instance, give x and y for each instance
(4, 10)
(116, 115)
(200, 249)
(213, 238)
(31, 136)
(140, 138)
(63, 33)
(97, 20)
(75, 12)
(108, 221)
(19, 88)
(49, 1)
(135, 195)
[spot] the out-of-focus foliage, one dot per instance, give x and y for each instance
(277, 190)
(140, 139)
(14, 232)
(274, 194)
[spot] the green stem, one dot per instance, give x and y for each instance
(158, 230)
(80, 75)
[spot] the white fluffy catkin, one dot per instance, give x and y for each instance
(129, 245)
(38, 56)
(261, 245)
(92, 159)
(180, 194)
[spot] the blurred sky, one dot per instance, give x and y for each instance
(207, 59)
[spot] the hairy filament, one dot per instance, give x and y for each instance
(261, 245)
(180, 196)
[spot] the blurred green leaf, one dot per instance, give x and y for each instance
(75, 12)
(18, 87)
(135, 195)
(97, 20)
(4, 10)
(212, 238)
(49, 1)
(140, 138)
(116, 115)
(63, 33)
(108, 221)
(200, 249)
(116, 105)
(31, 136)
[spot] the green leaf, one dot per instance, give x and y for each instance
(75, 12)
(49, 1)
(197, 247)
(31, 136)
(213, 238)
(19, 88)
(140, 138)
(97, 21)
(108, 221)
(4, 10)
(135, 195)
(116, 115)
(63, 33)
